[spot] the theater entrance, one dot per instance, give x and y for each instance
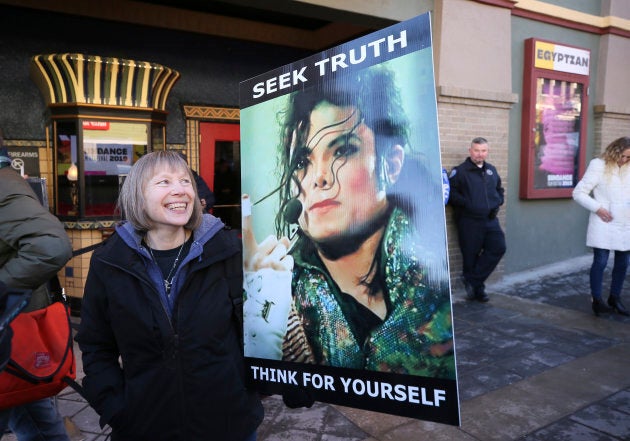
(220, 167)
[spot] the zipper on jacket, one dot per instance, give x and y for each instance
(485, 186)
(175, 345)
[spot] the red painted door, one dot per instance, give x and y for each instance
(220, 167)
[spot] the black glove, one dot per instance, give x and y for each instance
(295, 397)
(493, 213)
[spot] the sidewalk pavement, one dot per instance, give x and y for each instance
(533, 364)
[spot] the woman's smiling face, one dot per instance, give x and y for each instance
(169, 197)
(337, 171)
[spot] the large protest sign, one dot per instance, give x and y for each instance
(347, 293)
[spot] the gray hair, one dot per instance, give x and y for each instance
(479, 140)
(131, 201)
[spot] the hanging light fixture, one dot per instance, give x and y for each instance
(73, 173)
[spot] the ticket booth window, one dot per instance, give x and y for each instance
(555, 99)
(93, 158)
(67, 175)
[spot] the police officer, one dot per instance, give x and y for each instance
(476, 194)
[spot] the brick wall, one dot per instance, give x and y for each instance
(609, 125)
(464, 115)
(73, 275)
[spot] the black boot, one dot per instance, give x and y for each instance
(470, 291)
(480, 295)
(615, 303)
(599, 307)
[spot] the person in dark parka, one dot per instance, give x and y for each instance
(476, 194)
(160, 344)
(33, 247)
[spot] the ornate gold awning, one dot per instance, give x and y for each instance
(89, 79)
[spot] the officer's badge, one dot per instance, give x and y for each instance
(453, 173)
(490, 172)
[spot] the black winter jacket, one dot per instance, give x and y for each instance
(475, 191)
(179, 377)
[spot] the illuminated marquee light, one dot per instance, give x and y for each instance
(88, 79)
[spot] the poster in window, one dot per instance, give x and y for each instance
(553, 127)
(558, 118)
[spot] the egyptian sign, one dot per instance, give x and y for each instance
(561, 58)
(347, 292)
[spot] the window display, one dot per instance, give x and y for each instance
(558, 110)
(109, 150)
(555, 82)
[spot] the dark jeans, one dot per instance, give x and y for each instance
(36, 421)
(620, 267)
(482, 243)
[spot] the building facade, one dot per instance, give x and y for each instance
(489, 83)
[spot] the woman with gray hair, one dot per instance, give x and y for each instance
(157, 298)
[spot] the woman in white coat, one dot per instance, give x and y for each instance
(605, 192)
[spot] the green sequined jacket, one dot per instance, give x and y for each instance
(416, 336)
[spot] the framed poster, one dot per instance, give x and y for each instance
(555, 99)
(347, 292)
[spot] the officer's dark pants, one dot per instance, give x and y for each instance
(482, 243)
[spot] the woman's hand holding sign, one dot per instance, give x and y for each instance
(267, 283)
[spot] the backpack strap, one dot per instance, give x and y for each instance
(76, 386)
(87, 249)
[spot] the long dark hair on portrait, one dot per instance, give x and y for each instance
(373, 94)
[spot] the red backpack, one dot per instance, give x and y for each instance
(42, 358)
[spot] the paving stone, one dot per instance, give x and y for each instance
(487, 314)
(516, 326)
(337, 427)
(550, 357)
(567, 430)
(526, 366)
(70, 408)
(619, 401)
(87, 421)
(470, 387)
(471, 362)
(604, 419)
(329, 437)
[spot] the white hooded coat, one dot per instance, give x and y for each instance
(610, 189)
